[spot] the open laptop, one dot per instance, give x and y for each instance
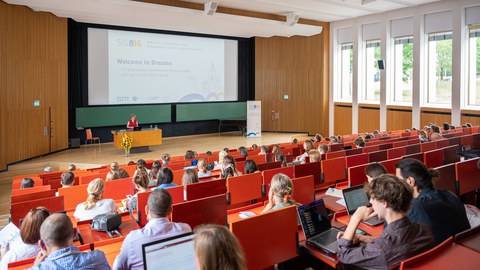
(171, 253)
(355, 197)
(316, 226)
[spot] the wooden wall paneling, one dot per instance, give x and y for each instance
(33, 66)
(368, 118)
(435, 115)
(399, 118)
(342, 119)
(470, 116)
(295, 67)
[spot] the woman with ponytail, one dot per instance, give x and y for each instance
(280, 194)
(441, 210)
(95, 204)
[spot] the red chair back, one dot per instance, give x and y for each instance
(356, 175)
(244, 188)
(447, 179)
(433, 158)
(208, 210)
(304, 189)
(19, 210)
(313, 168)
(206, 189)
(468, 175)
(356, 160)
(333, 170)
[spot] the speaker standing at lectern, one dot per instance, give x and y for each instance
(132, 123)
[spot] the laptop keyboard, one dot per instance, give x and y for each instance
(326, 238)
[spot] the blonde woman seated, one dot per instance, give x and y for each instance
(141, 185)
(189, 177)
(280, 194)
(95, 204)
(217, 248)
(323, 149)
(314, 156)
(202, 168)
(219, 163)
(307, 145)
(112, 175)
(279, 156)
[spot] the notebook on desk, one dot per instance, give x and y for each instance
(355, 197)
(316, 226)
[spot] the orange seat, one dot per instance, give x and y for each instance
(312, 168)
(206, 189)
(396, 152)
(337, 154)
(377, 156)
(89, 136)
(467, 175)
(209, 210)
(304, 189)
(17, 192)
(333, 170)
(33, 196)
(267, 176)
(244, 188)
(433, 158)
(390, 164)
(259, 159)
(428, 146)
(412, 148)
(264, 245)
(19, 210)
(356, 160)
(356, 175)
(447, 179)
(450, 154)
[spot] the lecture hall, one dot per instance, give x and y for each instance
(233, 134)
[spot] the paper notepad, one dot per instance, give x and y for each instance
(11, 234)
(334, 192)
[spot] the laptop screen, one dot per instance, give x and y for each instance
(355, 197)
(314, 218)
(171, 253)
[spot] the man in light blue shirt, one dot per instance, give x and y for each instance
(58, 252)
(158, 227)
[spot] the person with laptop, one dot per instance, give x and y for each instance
(441, 210)
(390, 198)
(158, 209)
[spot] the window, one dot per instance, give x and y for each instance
(439, 68)
(346, 79)
(474, 66)
(372, 72)
(403, 69)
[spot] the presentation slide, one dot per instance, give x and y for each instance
(127, 67)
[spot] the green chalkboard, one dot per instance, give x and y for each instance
(210, 111)
(119, 115)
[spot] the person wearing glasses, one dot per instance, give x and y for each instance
(30, 234)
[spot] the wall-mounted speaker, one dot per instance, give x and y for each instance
(292, 19)
(209, 8)
(381, 64)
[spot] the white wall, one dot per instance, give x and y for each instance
(459, 65)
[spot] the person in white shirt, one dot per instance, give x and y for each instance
(158, 227)
(30, 234)
(95, 204)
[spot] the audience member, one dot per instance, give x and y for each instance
(376, 133)
(112, 176)
(468, 124)
(189, 177)
(264, 150)
(189, 155)
(27, 183)
(202, 168)
(254, 146)
(229, 167)
(48, 169)
(307, 145)
(219, 164)
(95, 204)
(158, 227)
(280, 193)
(58, 251)
(295, 141)
(423, 136)
(165, 178)
(141, 185)
(323, 149)
(440, 210)
(165, 159)
(374, 170)
(217, 248)
(242, 148)
(446, 126)
(317, 138)
(390, 198)
(359, 142)
(209, 153)
(72, 167)
(122, 173)
(314, 156)
(436, 134)
(333, 139)
(275, 148)
(244, 153)
(30, 234)
(250, 166)
(369, 136)
(152, 176)
(279, 156)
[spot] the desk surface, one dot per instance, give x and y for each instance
(331, 202)
(455, 257)
(144, 137)
(472, 242)
(90, 236)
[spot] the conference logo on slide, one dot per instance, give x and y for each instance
(129, 42)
